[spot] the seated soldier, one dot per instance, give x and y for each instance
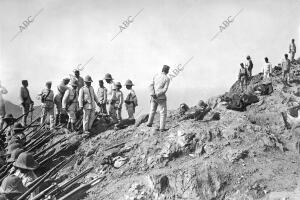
(12, 188)
(197, 113)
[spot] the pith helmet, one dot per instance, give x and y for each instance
(88, 79)
(108, 76)
(13, 185)
(74, 82)
(201, 103)
(118, 84)
(48, 83)
(165, 67)
(128, 82)
(12, 147)
(248, 57)
(26, 161)
(18, 127)
(14, 155)
(66, 79)
(9, 118)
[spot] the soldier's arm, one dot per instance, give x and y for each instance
(96, 98)
(105, 95)
(65, 99)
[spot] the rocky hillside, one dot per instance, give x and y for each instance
(242, 155)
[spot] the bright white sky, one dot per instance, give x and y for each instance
(70, 32)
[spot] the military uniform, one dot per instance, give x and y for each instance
(61, 89)
(111, 101)
(286, 65)
(80, 82)
(102, 97)
(26, 102)
(131, 103)
(159, 87)
(2, 105)
(48, 106)
(70, 103)
(87, 100)
(292, 51)
(118, 104)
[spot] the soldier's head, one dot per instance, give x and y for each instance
(48, 85)
(66, 81)
(25, 83)
(101, 83)
(108, 78)
(242, 65)
(165, 69)
(293, 40)
(128, 84)
(286, 56)
(77, 73)
(118, 86)
(248, 58)
(88, 80)
(266, 59)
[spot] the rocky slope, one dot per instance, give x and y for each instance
(243, 155)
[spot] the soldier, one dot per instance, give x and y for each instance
(159, 87)
(25, 166)
(14, 155)
(3, 90)
(286, 65)
(87, 100)
(70, 104)
(11, 147)
(111, 97)
(249, 66)
(131, 100)
(12, 188)
(61, 89)
(18, 131)
(102, 97)
(9, 121)
(267, 69)
(119, 100)
(47, 99)
(292, 50)
(26, 102)
(79, 79)
(243, 76)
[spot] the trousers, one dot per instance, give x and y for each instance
(161, 105)
(112, 112)
(130, 110)
(88, 119)
(25, 109)
(45, 112)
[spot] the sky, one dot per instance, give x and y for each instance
(67, 33)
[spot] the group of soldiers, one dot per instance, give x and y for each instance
(245, 72)
(80, 98)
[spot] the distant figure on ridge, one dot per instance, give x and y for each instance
(267, 69)
(111, 98)
(102, 97)
(292, 50)
(249, 66)
(26, 102)
(79, 79)
(3, 90)
(243, 76)
(61, 89)
(158, 89)
(286, 66)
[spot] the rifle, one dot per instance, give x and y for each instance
(62, 187)
(50, 157)
(35, 140)
(36, 185)
(41, 141)
(83, 187)
(50, 147)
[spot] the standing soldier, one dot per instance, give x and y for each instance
(102, 97)
(243, 76)
(286, 65)
(2, 105)
(61, 89)
(131, 100)
(158, 88)
(292, 50)
(79, 79)
(119, 100)
(111, 97)
(249, 66)
(70, 104)
(47, 99)
(267, 69)
(87, 102)
(26, 102)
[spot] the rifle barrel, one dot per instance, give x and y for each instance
(50, 147)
